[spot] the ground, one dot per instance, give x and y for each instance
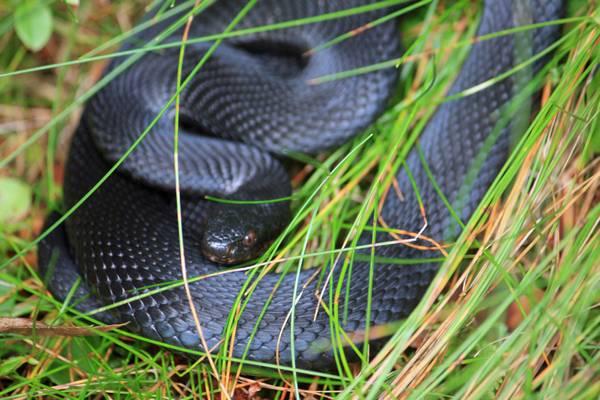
(516, 315)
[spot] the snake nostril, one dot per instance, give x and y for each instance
(230, 251)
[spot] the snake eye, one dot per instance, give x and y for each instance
(249, 239)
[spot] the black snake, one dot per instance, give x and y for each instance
(249, 105)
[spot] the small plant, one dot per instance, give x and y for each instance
(33, 23)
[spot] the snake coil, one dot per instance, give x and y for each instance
(250, 104)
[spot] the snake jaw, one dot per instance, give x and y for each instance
(221, 260)
(229, 252)
(233, 253)
(219, 252)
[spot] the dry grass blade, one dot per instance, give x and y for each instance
(28, 327)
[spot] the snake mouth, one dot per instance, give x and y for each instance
(225, 261)
(225, 253)
(220, 253)
(229, 257)
(219, 259)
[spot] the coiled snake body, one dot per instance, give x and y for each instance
(249, 104)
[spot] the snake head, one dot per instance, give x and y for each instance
(237, 233)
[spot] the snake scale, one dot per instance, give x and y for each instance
(248, 106)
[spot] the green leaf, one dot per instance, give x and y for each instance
(10, 365)
(15, 200)
(33, 23)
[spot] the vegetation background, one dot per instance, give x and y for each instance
(515, 316)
